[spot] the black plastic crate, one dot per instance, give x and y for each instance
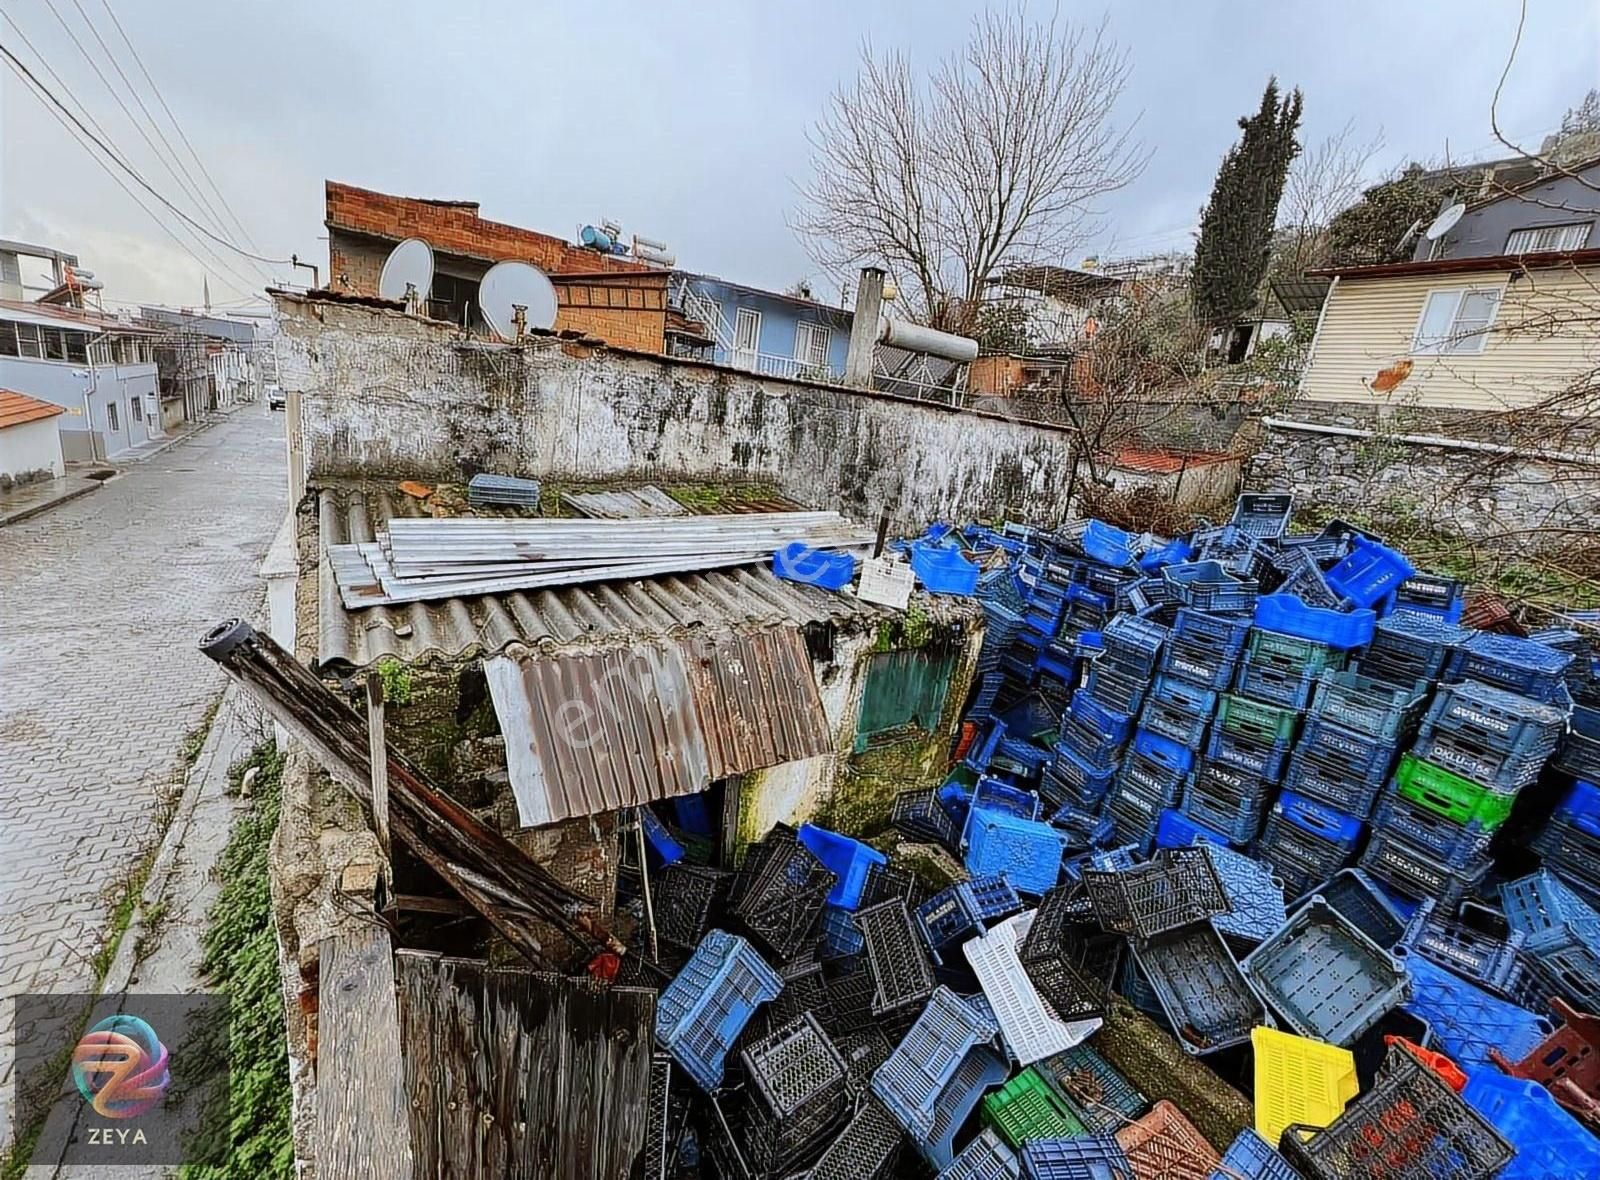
(1060, 956)
(683, 898)
(1177, 888)
(658, 1120)
(850, 1002)
(865, 1149)
(1411, 872)
(1409, 1126)
(1408, 646)
(1263, 515)
(863, 1051)
(902, 974)
(1116, 688)
(1300, 858)
(917, 814)
(1359, 900)
(798, 1088)
(1229, 804)
(784, 898)
(804, 990)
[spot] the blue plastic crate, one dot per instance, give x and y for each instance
(1317, 780)
(1369, 573)
(1182, 694)
(1134, 814)
(1111, 723)
(1174, 723)
(1163, 752)
(1318, 819)
(1083, 828)
(1266, 762)
(1134, 643)
(1362, 757)
(1157, 781)
(1520, 665)
(927, 1057)
(1174, 829)
(1085, 1157)
(1467, 1020)
(1262, 515)
(1581, 806)
(1447, 841)
(1275, 686)
(1414, 872)
(1255, 895)
(693, 813)
(986, 1157)
(1250, 1157)
(668, 850)
(1107, 544)
(943, 569)
(1226, 801)
(1548, 913)
(947, 919)
(1071, 779)
(798, 562)
(1224, 634)
(1549, 1142)
(1579, 751)
(980, 1070)
(1208, 586)
(848, 859)
(1287, 614)
(707, 1005)
(1302, 859)
(1409, 645)
(1024, 851)
(1116, 689)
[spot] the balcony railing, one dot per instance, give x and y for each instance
(786, 368)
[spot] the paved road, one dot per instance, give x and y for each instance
(101, 603)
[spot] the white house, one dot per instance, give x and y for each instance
(30, 446)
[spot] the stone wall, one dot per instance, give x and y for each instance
(383, 393)
(1458, 488)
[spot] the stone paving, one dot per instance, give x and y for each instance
(102, 602)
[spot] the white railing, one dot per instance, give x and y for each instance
(768, 364)
(705, 311)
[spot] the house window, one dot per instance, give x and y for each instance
(8, 338)
(746, 336)
(111, 417)
(76, 350)
(28, 341)
(1455, 323)
(55, 344)
(136, 409)
(811, 346)
(903, 696)
(1549, 237)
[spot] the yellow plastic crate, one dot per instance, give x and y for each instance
(1299, 1080)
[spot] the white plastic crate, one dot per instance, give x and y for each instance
(1032, 1031)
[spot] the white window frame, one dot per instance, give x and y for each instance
(741, 354)
(1533, 246)
(29, 337)
(810, 340)
(1452, 343)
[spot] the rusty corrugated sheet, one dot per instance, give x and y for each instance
(522, 1075)
(588, 732)
(627, 504)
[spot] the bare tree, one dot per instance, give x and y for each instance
(997, 157)
(1323, 181)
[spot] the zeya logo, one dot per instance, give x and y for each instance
(120, 1067)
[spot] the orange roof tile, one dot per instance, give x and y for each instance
(17, 408)
(1165, 462)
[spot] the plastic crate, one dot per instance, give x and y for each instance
(1286, 614)
(1358, 899)
(918, 815)
(1290, 690)
(1115, 688)
(1317, 819)
(1324, 977)
(1134, 643)
(1071, 778)
(1028, 1107)
(1459, 943)
(784, 893)
(1056, 953)
(1412, 872)
(1135, 987)
(1366, 706)
(1460, 800)
(902, 976)
(850, 1002)
(1262, 761)
(838, 935)
(1114, 724)
(1263, 515)
(1409, 1126)
(1254, 721)
(707, 1005)
(986, 1157)
(1505, 774)
(1337, 786)
(1441, 838)
(1025, 852)
(798, 1088)
(1289, 653)
(1408, 646)
(1103, 1099)
(926, 1059)
(1370, 572)
(1303, 579)
(1467, 1020)
(1250, 1157)
(1221, 635)
(1434, 594)
(1207, 586)
(1173, 722)
(1578, 752)
(1520, 665)
(1178, 888)
(1174, 829)
(846, 858)
(1163, 1143)
(1197, 981)
(1547, 913)
(1087, 1157)
(1571, 848)
(683, 897)
(864, 1150)
(1548, 1141)
(1255, 896)
(1200, 665)
(1146, 770)
(980, 1071)
(1134, 814)
(1298, 1080)
(1566, 1062)
(1226, 800)
(1484, 717)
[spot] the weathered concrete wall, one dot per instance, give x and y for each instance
(1457, 489)
(383, 392)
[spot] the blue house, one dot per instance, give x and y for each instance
(762, 331)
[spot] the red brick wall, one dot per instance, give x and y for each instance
(455, 228)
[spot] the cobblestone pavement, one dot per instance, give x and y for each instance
(102, 601)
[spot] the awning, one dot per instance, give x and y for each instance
(588, 732)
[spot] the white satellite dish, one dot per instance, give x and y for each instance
(1442, 224)
(410, 264)
(510, 285)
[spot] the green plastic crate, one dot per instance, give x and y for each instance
(1028, 1107)
(1256, 721)
(1458, 799)
(1291, 653)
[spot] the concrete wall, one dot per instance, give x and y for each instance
(1483, 231)
(381, 392)
(31, 447)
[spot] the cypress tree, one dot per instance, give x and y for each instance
(1235, 242)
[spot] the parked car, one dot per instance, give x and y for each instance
(275, 398)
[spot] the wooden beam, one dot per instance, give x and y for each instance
(378, 753)
(363, 1120)
(418, 904)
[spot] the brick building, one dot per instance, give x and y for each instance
(616, 299)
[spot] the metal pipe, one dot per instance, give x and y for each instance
(1434, 440)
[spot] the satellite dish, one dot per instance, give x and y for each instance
(510, 285)
(409, 264)
(1410, 235)
(1443, 223)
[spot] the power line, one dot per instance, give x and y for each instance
(237, 281)
(130, 170)
(216, 262)
(178, 127)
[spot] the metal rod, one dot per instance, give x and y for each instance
(644, 885)
(379, 765)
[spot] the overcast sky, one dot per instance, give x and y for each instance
(684, 121)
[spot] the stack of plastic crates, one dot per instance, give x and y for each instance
(1355, 727)
(1252, 736)
(707, 1005)
(1570, 841)
(1228, 801)
(1409, 646)
(1154, 771)
(1490, 735)
(797, 1089)
(1409, 1126)
(1307, 841)
(1579, 751)
(1283, 669)
(1561, 934)
(1087, 755)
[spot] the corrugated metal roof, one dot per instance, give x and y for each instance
(588, 732)
(593, 616)
(627, 504)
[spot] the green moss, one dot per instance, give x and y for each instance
(721, 497)
(865, 788)
(396, 679)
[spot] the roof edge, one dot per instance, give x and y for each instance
(1545, 260)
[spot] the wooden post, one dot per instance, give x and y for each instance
(378, 754)
(883, 534)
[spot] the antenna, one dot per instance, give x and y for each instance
(407, 273)
(1410, 235)
(516, 295)
(1443, 223)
